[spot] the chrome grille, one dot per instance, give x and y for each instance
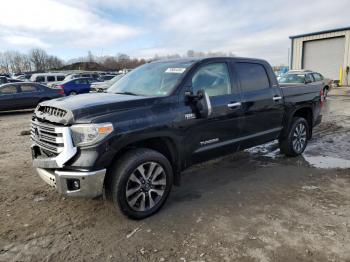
(47, 137)
(53, 111)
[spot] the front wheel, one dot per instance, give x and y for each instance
(295, 142)
(140, 182)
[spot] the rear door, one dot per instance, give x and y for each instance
(82, 85)
(9, 98)
(219, 133)
(262, 104)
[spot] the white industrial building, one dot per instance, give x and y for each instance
(327, 52)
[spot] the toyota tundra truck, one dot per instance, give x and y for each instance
(132, 142)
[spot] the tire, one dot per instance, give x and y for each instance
(73, 93)
(135, 196)
(325, 92)
(295, 142)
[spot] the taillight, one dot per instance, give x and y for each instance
(322, 98)
(61, 89)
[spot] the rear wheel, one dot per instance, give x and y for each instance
(295, 142)
(325, 92)
(73, 93)
(140, 182)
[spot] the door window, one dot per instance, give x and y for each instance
(51, 79)
(40, 79)
(309, 78)
(28, 88)
(60, 78)
(213, 78)
(253, 76)
(8, 90)
(317, 77)
(80, 81)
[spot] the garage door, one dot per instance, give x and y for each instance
(324, 56)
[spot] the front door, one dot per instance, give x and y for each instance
(219, 133)
(9, 98)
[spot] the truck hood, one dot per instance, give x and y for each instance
(83, 108)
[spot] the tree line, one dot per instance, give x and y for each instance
(35, 60)
(38, 60)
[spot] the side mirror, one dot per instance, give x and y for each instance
(308, 81)
(202, 102)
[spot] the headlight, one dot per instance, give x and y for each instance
(88, 134)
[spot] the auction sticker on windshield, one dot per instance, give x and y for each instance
(175, 70)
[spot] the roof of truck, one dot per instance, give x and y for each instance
(196, 59)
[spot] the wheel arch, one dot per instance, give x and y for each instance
(163, 144)
(304, 112)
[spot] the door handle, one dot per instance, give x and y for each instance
(276, 98)
(233, 105)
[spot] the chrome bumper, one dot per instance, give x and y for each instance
(90, 182)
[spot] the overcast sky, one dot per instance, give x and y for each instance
(254, 28)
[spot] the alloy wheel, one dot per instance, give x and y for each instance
(145, 186)
(299, 138)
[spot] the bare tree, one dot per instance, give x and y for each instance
(53, 62)
(39, 58)
(90, 57)
(5, 62)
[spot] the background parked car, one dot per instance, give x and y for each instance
(47, 77)
(76, 86)
(103, 86)
(306, 77)
(5, 80)
(105, 77)
(5, 75)
(25, 95)
(94, 76)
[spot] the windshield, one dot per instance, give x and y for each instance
(153, 79)
(292, 78)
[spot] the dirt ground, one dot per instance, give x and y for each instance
(252, 206)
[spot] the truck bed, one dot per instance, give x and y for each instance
(295, 93)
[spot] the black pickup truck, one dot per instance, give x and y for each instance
(132, 142)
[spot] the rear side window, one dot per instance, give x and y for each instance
(60, 78)
(51, 79)
(213, 78)
(80, 81)
(309, 78)
(8, 90)
(317, 77)
(28, 88)
(40, 79)
(253, 76)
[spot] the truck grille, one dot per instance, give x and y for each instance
(47, 137)
(53, 111)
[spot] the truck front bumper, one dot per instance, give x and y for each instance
(75, 183)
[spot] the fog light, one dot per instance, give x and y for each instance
(73, 184)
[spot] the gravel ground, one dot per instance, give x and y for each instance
(256, 205)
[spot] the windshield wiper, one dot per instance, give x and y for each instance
(127, 93)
